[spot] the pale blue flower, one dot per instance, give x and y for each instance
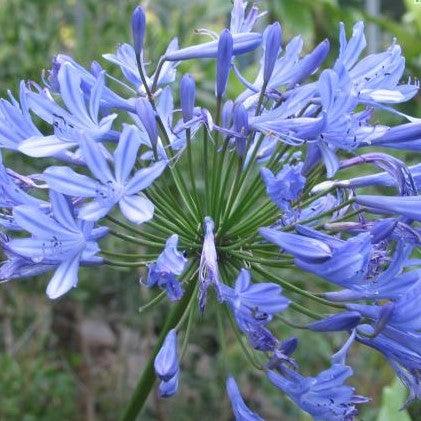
(109, 188)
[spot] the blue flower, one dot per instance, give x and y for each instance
(125, 57)
(169, 265)
(256, 302)
(60, 241)
(404, 136)
(12, 195)
(187, 96)
(242, 21)
(344, 263)
(297, 245)
(71, 125)
(409, 206)
(166, 362)
(208, 268)
(146, 115)
(402, 350)
(241, 128)
(325, 397)
(391, 283)
(259, 337)
(109, 188)
(272, 39)
(375, 79)
(289, 70)
(89, 79)
(15, 121)
(16, 266)
(406, 179)
(242, 43)
(346, 320)
(223, 62)
(403, 314)
(138, 28)
(239, 408)
(169, 388)
(285, 186)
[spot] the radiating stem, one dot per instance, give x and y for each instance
(121, 263)
(133, 230)
(205, 172)
(136, 240)
(290, 287)
(191, 172)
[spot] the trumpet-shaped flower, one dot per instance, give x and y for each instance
(59, 240)
(164, 271)
(109, 188)
(71, 125)
(256, 302)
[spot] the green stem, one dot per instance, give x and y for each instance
(247, 353)
(191, 171)
(152, 303)
(147, 379)
(322, 215)
(129, 256)
(215, 157)
(292, 288)
(133, 230)
(135, 240)
(303, 310)
(166, 202)
(121, 263)
(157, 73)
(205, 172)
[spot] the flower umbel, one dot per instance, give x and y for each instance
(234, 198)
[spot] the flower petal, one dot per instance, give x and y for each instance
(42, 146)
(66, 181)
(126, 153)
(144, 177)
(64, 278)
(137, 209)
(94, 210)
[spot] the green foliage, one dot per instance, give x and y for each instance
(393, 398)
(35, 388)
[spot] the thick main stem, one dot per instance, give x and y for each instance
(147, 379)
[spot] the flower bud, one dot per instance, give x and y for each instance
(227, 111)
(146, 115)
(166, 362)
(138, 28)
(187, 96)
(241, 126)
(273, 38)
(223, 62)
(169, 388)
(96, 68)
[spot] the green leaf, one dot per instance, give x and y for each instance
(393, 398)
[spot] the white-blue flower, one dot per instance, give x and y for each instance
(109, 187)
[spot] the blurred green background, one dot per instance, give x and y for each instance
(79, 358)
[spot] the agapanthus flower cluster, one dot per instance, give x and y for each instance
(222, 203)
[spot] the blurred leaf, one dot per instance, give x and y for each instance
(295, 17)
(392, 401)
(414, 14)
